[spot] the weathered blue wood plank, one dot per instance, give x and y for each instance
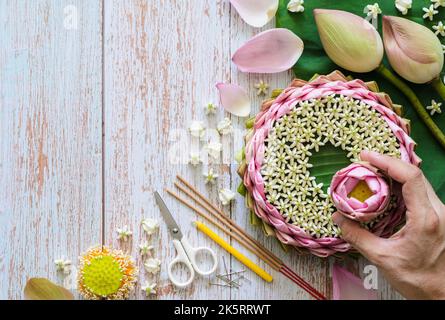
(50, 136)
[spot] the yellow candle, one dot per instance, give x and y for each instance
(238, 255)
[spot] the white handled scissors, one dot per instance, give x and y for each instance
(186, 253)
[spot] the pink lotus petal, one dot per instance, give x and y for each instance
(234, 99)
(271, 51)
(347, 286)
(256, 12)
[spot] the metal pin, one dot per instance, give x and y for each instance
(224, 262)
(230, 283)
(219, 285)
(233, 273)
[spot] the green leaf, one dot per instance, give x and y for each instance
(314, 60)
(326, 163)
(242, 189)
(43, 289)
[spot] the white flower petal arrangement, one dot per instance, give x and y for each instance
(290, 129)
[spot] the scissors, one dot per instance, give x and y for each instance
(186, 253)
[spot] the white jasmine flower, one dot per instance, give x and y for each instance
(195, 159)
(210, 108)
(438, 3)
(150, 225)
(403, 5)
(124, 233)
(262, 88)
(149, 288)
(434, 107)
(145, 248)
(224, 126)
(372, 12)
(429, 12)
(197, 129)
(295, 5)
(214, 149)
(152, 265)
(225, 196)
(439, 29)
(63, 265)
(210, 176)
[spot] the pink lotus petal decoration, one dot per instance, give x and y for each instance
(345, 180)
(347, 286)
(271, 51)
(256, 12)
(234, 99)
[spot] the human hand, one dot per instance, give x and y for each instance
(413, 259)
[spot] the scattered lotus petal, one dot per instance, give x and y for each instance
(347, 286)
(271, 51)
(43, 289)
(256, 12)
(413, 50)
(234, 99)
(349, 40)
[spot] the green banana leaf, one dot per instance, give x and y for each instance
(314, 60)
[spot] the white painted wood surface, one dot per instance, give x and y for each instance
(142, 86)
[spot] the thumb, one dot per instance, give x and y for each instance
(364, 241)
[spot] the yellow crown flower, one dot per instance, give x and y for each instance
(106, 274)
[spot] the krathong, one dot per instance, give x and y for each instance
(106, 274)
(348, 114)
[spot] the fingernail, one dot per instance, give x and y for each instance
(338, 218)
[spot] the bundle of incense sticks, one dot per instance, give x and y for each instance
(214, 215)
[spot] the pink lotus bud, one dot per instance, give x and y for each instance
(413, 50)
(349, 40)
(360, 192)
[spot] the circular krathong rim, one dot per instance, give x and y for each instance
(322, 86)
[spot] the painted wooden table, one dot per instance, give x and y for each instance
(95, 100)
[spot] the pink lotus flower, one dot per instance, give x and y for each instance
(360, 192)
